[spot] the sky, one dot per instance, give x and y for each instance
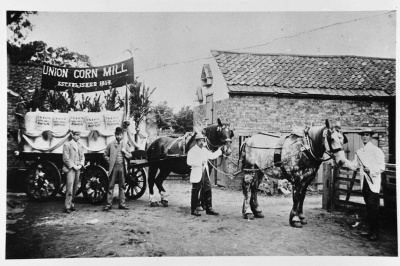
(169, 48)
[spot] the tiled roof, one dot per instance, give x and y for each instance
(307, 75)
(24, 77)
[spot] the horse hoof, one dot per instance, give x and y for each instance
(153, 204)
(248, 216)
(164, 203)
(296, 224)
(303, 221)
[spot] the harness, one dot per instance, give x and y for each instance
(182, 138)
(306, 150)
(278, 155)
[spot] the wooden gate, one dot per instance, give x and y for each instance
(342, 188)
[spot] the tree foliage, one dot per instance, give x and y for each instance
(45, 100)
(183, 120)
(179, 122)
(164, 115)
(90, 104)
(139, 101)
(38, 52)
(112, 101)
(19, 25)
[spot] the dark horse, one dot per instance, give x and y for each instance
(161, 154)
(295, 157)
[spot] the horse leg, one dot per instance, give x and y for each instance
(294, 219)
(152, 176)
(253, 199)
(159, 181)
(303, 191)
(246, 183)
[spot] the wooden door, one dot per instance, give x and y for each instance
(209, 109)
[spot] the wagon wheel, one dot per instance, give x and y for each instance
(63, 188)
(42, 181)
(94, 184)
(136, 182)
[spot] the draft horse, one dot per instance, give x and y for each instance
(161, 154)
(295, 157)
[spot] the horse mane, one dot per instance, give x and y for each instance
(190, 141)
(212, 135)
(317, 140)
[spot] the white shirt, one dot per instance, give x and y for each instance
(197, 158)
(373, 158)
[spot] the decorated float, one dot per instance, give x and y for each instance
(42, 134)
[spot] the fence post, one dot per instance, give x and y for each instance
(334, 186)
(327, 183)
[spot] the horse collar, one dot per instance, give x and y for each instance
(307, 149)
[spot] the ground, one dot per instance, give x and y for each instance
(42, 230)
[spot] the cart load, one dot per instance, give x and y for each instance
(43, 133)
(48, 131)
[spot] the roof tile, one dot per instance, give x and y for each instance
(340, 74)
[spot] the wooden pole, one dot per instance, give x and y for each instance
(327, 183)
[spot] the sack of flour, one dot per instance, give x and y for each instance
(44, 121)
(30, 121)
(95, 121)
(112, 120)
(60, 122)
(77, 121)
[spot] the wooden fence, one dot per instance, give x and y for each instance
(343, 188)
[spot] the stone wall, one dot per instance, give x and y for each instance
(248, 115)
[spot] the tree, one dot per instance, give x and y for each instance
(164, 115)
(183, 120)
(38, 52)
(139, 101)
(19, 25)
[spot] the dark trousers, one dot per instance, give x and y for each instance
(205, 186)
(372, 202)
(118, 172)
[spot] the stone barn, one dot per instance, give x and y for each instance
(267, 92)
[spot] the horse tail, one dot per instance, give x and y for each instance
(242, 147)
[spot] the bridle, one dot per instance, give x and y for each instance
(312, 144)
(219, 137)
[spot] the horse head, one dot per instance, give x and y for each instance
(334, 140)
(220, 135)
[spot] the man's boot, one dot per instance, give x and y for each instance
(208, 201)
(374, 229)
(194, 202)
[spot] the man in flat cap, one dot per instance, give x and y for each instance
(74, 159)
(117, 155)
(371, 162)
(197, 158)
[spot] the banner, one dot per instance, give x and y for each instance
(87, 79)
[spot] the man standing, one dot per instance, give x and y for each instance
(117, 154)
(197, 158)
(371, 161)
(74, 159)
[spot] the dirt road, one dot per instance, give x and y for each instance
(41, 230)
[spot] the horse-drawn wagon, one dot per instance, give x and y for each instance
(41, 152)
(43, 133)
